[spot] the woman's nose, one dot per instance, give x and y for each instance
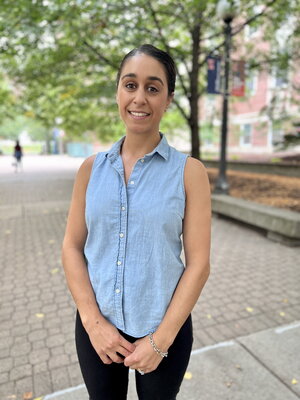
(140, 97)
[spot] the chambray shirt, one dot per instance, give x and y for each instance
(133, 244)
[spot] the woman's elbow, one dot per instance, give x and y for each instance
(207, 270)
(202, 270)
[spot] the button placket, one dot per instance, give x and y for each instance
(124, 193)
(133, 179)
(120, 261)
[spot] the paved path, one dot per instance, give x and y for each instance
(258, 366)
(253, 286)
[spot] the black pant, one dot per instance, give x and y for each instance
(110, 381)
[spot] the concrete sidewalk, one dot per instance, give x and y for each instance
(253, 286)
(260, 366)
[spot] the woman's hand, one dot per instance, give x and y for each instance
(144, 357)
(107, 341)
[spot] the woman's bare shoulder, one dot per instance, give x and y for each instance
(195, 172)
(85, 169)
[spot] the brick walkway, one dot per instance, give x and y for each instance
(254, 283)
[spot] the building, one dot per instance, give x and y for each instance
(269, 109)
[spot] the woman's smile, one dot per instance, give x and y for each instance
(138, 114)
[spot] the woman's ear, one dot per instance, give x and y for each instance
(169, 101)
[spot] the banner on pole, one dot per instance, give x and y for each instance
(213, 75)
(238, 78)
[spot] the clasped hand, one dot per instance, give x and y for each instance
(110, 345)
(143, 357)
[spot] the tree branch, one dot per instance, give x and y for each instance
(100, 55)
(253, 18)
(211, 52)
(219, 33)
(183, 113)
(167, 47)
(183, 13)
(239, 29)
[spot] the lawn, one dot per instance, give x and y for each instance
(34, 148)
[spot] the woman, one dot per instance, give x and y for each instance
(18, 154)
(122, 246)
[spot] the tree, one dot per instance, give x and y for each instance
(12, 128)
(63, 55)
(7, 98)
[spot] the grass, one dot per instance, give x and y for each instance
(34, 148)
(275, 160)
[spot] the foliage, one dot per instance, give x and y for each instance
(7, 98)
(209, 133)
(13, 128)
(289, 140)
(173, 122)
(62, 55)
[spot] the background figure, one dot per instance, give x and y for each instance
(18, 154)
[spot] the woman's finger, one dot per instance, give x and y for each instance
(115, 358)
(123, 351)
(105, 359)
(127, 345)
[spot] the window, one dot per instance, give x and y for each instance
(280, 78)
(251, 83)
(250, 32)
(280, 81)
(277, 132)
(246, 133)
(277, 136)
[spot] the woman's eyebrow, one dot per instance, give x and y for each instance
(151, 78)
(155, 78)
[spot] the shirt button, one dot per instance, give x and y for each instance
(131, 182)
(142, 160)
(119, 263)
(121, 235)
(123, 208)
(118, 290)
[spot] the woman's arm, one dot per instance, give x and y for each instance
(72, 249)
(196, 240)
(103, 335)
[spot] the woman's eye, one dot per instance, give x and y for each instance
(130, 85)
(152, 89)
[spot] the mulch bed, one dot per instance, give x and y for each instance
(273, 190)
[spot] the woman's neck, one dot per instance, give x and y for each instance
(136, 146)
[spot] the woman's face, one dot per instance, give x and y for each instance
(142, 94)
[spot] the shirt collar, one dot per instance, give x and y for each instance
(162, 149)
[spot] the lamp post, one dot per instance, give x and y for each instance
(226, 10)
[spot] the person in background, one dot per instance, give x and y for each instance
(18, 154)
(122, 247)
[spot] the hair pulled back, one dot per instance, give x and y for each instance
(161, 56)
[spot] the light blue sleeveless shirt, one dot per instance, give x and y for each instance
(133, 244)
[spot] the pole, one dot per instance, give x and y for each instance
(222, 186)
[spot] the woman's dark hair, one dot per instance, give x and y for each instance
(161, 56)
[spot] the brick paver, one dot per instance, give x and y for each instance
(254, 283)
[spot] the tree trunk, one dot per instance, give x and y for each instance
(194, 96)
(194, 127)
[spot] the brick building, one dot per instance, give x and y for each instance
(268, 110)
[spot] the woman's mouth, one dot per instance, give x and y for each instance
(138, 114)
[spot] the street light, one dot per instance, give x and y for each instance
(226, 10)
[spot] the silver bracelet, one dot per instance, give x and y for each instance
(155, 348)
